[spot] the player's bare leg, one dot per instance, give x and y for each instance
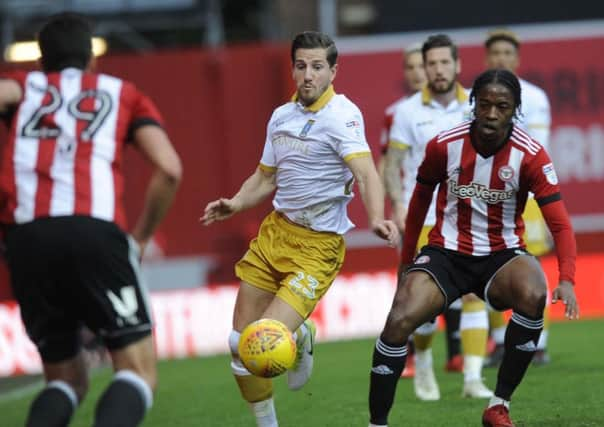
(417, 300)
(519, 285)
(305, 333)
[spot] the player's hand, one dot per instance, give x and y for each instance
(218, 210)
(387, 230)
(566, 292)
(399, 215)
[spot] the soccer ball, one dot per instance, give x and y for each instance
(267, 348)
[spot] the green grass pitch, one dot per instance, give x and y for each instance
(201, 391)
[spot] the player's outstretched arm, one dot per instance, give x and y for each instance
(253, 191)
(10, 94)
(393, 162)
(372, 194)
(154, 144)
(558, 222)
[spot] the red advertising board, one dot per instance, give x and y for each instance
(217, 102)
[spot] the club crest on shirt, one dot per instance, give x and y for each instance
(505, 173)
(306, 128)
(550, 173)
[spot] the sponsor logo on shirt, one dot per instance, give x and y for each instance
(550, 174)
(290, 143)
(480, 192)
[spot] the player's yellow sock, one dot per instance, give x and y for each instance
(253, 388)
(422, 337)
(497, 324)
(473, 328)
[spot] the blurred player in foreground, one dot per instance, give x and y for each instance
(61, 194)
(503, 51)
(314, 151)
(484, 170)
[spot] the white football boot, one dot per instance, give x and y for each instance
(299, 374)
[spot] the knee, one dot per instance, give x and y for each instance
(534, 299)
(399, 325)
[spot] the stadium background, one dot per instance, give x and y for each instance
(218, 69)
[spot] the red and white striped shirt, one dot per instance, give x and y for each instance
(480, 200)
(66, 139)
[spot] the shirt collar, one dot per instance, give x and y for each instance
(320, 102)
(460, 94)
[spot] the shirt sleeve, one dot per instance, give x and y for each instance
(401, 135)
(558, 222)
(268, 161)
(542, 179)
(537, 118)
(349, 135)
(142, 111)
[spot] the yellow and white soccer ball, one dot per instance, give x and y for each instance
(267, 348)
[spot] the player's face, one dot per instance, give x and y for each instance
(494, 111)
(441, 69)
(503, 54)
(415, 75)
(312, 74)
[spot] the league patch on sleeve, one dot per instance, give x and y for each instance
(355, 125)
(550, 174)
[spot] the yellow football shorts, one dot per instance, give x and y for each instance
(293, 262)
(536, 235)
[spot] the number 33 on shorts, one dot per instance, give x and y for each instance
(304, 284)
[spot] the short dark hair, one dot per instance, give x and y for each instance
(502, 35)
(65, 41)
(313, 40)
(439, 40)
(501, 76)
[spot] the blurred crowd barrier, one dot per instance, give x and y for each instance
(197, 322)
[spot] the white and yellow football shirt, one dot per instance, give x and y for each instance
(307, 148)
(535, 117)
(416, 121)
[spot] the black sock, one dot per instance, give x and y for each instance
(452, 320)
(53, 407)
(123, 404)
(388, 363)
(521, 337)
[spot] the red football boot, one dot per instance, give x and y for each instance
(409, 371)
(497, 416)
(455, 364)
